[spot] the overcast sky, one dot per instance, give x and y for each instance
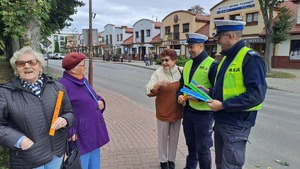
(127, 12)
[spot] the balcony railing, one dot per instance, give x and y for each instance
(173, 36)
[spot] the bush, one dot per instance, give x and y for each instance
(4, 158)
(180, 61)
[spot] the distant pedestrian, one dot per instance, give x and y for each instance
(146, 60)
(89, 130)
(27, 103)
(197, 115)
(164, 84)
(240, 88)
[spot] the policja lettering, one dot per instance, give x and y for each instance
(234, 69)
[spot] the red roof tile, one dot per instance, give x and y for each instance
(128, 41)
(156, 39)
(204, 30)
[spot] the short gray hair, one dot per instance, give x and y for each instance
(27, 50)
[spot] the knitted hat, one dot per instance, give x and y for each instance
(72, 59)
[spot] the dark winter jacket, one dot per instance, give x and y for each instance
(23, 113)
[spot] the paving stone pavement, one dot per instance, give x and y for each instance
(133, 136)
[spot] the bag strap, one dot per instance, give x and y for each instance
(89, 89)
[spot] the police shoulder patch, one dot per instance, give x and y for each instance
(253, 53)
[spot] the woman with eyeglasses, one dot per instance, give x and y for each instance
(27, 104)
(89, 132)
(164, 84)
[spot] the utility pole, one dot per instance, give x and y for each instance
(90, 44)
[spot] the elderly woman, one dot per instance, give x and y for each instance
(163, 84)
(27, 104)
(89, 129)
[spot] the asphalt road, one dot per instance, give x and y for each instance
(276, 135)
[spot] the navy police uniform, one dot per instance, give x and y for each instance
(233, 123)
(197, 124)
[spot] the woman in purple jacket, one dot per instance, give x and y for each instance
(89, 130)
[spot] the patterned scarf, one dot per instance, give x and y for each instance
(36, 87)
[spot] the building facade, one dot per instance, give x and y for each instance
(254, 33)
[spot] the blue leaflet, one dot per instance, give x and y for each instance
(194, 94)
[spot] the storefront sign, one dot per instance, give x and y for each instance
(236, 6)
(255, 40)
(182, 42)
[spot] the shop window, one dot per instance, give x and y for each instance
(186, 27)
(252, 18)
(295, 50)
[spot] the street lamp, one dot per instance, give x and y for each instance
(90, 44)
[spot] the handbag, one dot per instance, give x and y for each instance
(72, 161)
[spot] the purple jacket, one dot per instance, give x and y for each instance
(89, 123)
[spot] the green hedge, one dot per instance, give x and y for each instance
(4, 158)
(180, 61)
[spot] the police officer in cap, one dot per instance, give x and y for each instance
(197, 115)
(239, 90)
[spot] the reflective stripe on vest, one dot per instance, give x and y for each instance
(234, 79)
(200, 77)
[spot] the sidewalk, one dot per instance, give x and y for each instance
(132, 128)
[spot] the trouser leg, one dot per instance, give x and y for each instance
(234, 145)
(203, 137)
(162, 135)
(173, 139)
(188, 129)
(218, 147)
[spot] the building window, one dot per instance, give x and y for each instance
(148, 32)
(235, 17)
(252, 18)
(136, 34)
(167, 30)
(117, 37)
(185, 27)
(61, 38)
(121, 37)
(295, 50)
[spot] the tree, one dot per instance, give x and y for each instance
(26, 22)
(267, 9)
(283, 25)
(197, 9)
(56, 47)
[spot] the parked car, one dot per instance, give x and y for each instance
(58, 56)
(45, 56)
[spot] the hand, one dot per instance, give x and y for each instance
(215, 105)
(191, 98)
(59, 123)
(26, 143)
(73, 138)
(100, 104)
(181, 99)
(163, 83)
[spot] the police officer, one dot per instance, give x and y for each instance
(238, 93)
(197, 115)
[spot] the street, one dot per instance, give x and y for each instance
(275, 136)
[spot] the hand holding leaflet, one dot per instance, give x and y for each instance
(190, 92)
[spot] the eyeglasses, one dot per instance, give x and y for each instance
(164, 60)
(31, 62)
(218, 37)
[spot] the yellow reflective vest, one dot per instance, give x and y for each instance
(234, 79)
(200, 77)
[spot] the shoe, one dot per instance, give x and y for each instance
(171, 165)
(164, 165)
